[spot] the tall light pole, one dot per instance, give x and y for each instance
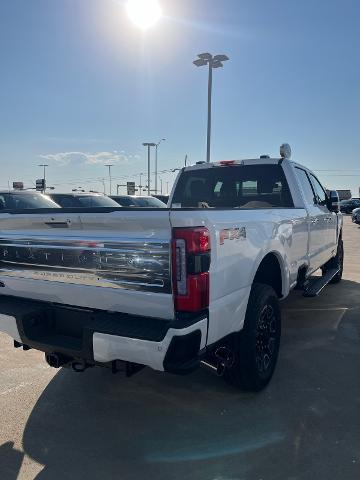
(156, 162)
(213, 61)
(109, 167)
(149, 145)
(44, 165)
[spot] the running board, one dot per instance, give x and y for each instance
(314, 286)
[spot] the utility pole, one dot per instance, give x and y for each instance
(102, 180)
(149, 145)
(156, 162)
(44, 165)
(109, 167)
(140, 185)
(208, 137)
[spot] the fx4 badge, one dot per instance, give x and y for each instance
(232, 234)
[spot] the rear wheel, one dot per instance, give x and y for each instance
(256, 347)
(336, 262)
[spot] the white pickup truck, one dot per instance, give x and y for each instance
(199, 281)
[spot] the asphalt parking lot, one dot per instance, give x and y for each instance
(305, 425)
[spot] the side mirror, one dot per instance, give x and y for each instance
(333, 201)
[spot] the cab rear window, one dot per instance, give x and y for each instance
(243, 186)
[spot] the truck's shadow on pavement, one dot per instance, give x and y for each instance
(304, 425)
(10, 461)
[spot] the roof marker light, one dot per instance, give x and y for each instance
(285, 150)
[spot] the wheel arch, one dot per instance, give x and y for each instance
(271, 271)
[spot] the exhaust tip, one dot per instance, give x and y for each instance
(56, 360)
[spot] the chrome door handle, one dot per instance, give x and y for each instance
(58, 223)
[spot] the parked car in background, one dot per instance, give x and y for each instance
(347, 206)
(82, 200)
(133, 201)
(356, 216)
(163, 198)
(22, 199)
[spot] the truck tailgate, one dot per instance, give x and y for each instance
(110, 260)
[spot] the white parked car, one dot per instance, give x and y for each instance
(82, 200)
(355, 216)
(24, 200)
(171, 288)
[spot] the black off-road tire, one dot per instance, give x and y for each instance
(256, 347)
(336, 262)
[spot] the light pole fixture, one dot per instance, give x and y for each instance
(44, 165)
(149, 145)
(212, 61)
(156, 163)
(110, 180)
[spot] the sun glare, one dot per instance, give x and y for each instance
(144, 13)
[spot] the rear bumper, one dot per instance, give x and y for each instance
(178, 352)
(101, 337)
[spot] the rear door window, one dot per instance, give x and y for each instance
(320, 194)
(240, 186)
(125, 201)
(90, 201)
(306, 186)
(65, 202)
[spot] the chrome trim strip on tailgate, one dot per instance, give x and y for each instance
(128, 263)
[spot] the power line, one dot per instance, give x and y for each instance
(339, 170)
(99, 179)
(342, 175)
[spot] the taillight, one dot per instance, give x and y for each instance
(191, 263)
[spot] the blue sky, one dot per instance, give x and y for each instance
(81, 86)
